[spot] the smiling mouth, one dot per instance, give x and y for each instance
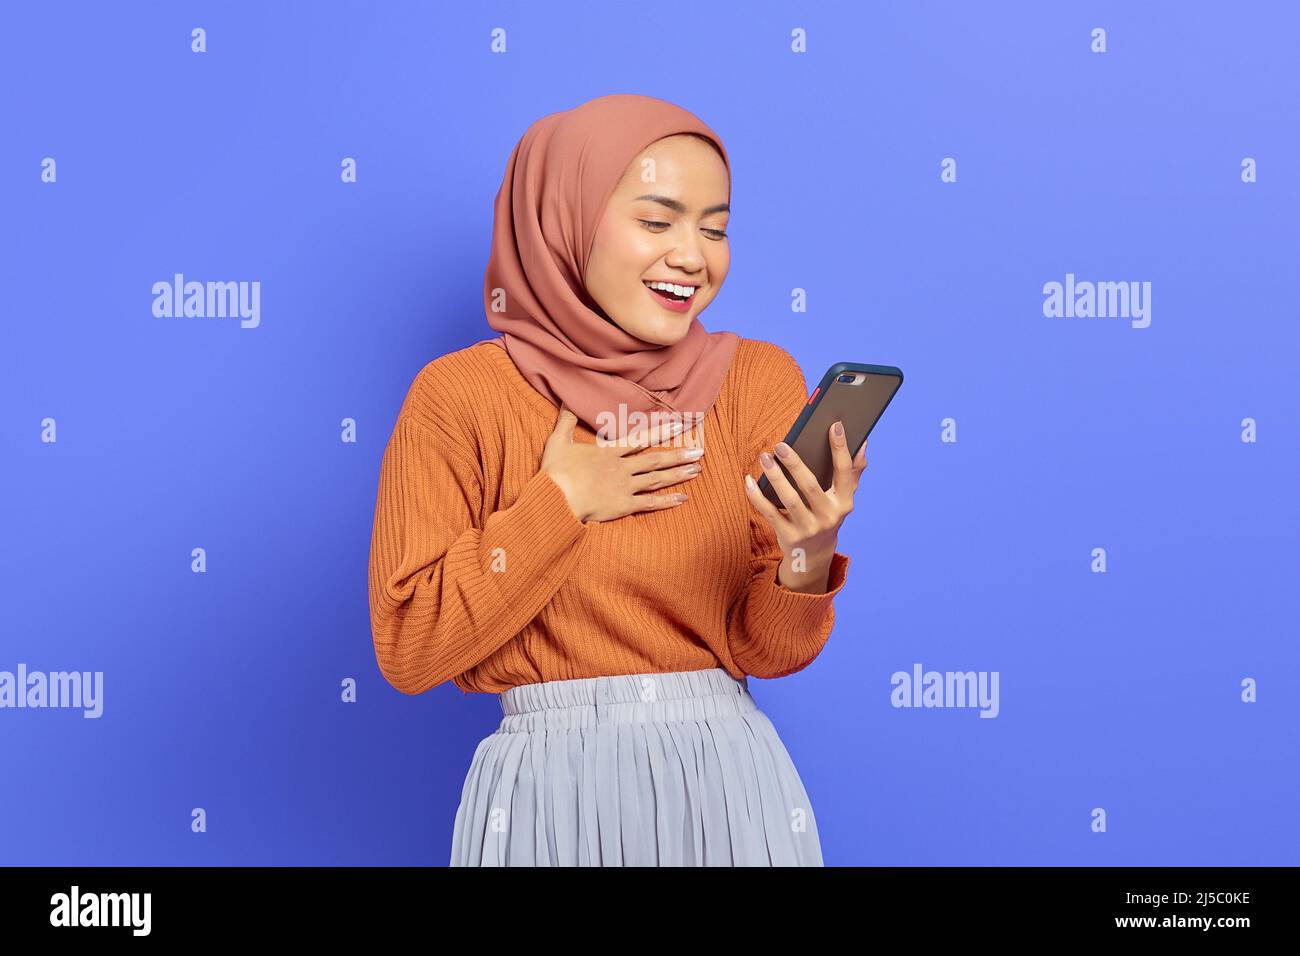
(673, 293)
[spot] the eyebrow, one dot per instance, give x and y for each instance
(676, 206)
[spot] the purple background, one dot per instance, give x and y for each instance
(1118, 690)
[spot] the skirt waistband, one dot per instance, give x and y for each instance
(624, 698)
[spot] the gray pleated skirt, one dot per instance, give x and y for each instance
(666, 769)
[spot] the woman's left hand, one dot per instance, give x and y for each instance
(813, 527)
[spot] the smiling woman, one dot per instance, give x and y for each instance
(671, 242)
(617, 617)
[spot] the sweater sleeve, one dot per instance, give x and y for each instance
(772, 630)
(446, 590)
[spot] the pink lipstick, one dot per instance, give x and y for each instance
(668, 302)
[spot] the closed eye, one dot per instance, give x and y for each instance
(717, 233)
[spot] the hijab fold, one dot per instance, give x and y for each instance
(557, 183)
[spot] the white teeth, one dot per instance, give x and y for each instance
(682, 290)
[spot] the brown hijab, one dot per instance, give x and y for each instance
(557, 183)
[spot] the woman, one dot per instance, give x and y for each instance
(542, 531)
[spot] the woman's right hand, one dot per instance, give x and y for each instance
(603, 482)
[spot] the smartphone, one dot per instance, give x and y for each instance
(855, 394)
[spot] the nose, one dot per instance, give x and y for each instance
(687, 254)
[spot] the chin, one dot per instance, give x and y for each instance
(666, 331)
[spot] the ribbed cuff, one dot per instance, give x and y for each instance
(536, 536)
(790, 627)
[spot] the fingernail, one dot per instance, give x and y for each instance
(766, 460)
(692, 453)
(782, 449)
(838, 428)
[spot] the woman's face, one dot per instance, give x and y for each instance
(671, 228)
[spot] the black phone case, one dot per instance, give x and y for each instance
(858, 406)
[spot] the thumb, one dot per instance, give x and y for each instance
(564, 425)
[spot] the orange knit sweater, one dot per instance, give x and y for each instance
(480, 573)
